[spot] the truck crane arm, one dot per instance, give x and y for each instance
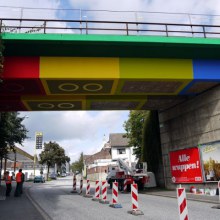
(125, 167)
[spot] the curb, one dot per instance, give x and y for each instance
(35, 204)
(192, 199)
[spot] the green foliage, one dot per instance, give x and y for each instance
(78, 165)
(151, 148)
(143, 131)
(134, 129)
(52, 154)
(12, 131)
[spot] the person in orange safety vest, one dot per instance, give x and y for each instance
(18, 179)
(8, 183)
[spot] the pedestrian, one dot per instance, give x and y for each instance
(19, 183)
(22, 181)
(8, 183)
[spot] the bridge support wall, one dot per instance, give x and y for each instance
(196, 121)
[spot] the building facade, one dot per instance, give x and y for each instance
(96, 165)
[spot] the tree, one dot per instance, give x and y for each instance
(78, 165)
(61, 158)
(151, 148)
(134, 128)
(52, 154)
(12, 131)
(143, 131)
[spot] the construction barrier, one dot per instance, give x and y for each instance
(104, 193)
(74, 184)
(87, 189)
(218, 193)
(134, 200)
(182, 206)
(81, 186)
(125, 189)
(115, 203)
(97, 191)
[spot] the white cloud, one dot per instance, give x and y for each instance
(76, 132)
(18, 8)
(171, 6)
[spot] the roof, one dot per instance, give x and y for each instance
(21, 156)
(118, 140)
(104, 153)
(86, 156)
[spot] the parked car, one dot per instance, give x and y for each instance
(63, 174)
(53, 176)
(39, 179)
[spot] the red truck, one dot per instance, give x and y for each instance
(121, 172)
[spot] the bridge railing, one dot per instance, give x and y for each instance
(45, 26)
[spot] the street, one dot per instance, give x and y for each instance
(58, 203)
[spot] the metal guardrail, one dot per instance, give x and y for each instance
(13, 25)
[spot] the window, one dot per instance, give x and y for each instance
(121, 151)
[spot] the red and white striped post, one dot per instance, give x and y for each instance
(134, 200)
(97, 191)
(125, 189)
(81, 186)
(104, 193)
(182, 205)
(74, 184)
(218, 206)
(115, 203)
(87, 189)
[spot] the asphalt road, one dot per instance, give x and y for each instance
(56, 202)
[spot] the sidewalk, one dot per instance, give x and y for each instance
(173, 194)
(17, 207)
(189, 196)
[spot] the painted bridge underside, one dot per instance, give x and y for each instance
(97, 72)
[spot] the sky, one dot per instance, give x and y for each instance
(75, 131)
(85, 131)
